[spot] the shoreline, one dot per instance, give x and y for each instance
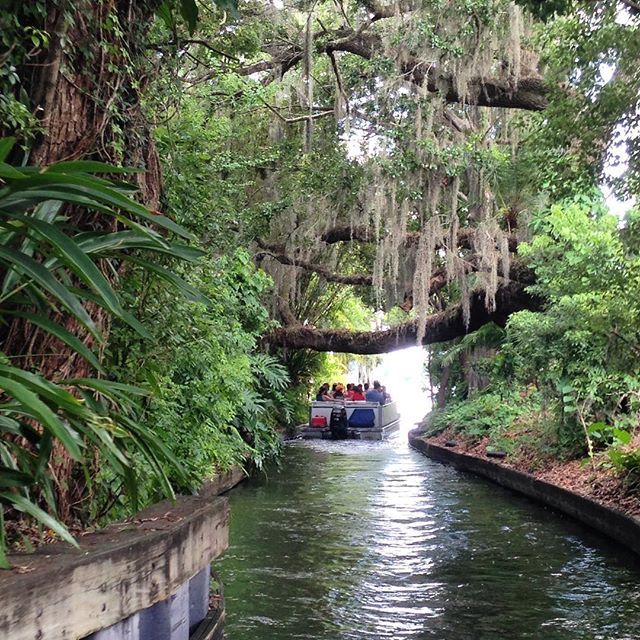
(614, 523)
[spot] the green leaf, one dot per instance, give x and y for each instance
(45, 279)
(23, 504)
(127, 317)
(75, 259)
(46, 389)
(7, 171)
(108, 387)
(10, 478)
(623, 437)
(33, 406)
(93, 188)
(597, 427)
(189, 11)
(616, 457)
(62, 334)
(121, 240)
(166, 15)
(190, 293)
(6, 144)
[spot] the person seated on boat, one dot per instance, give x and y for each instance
(323, 393)
(387, 396)
(357, 393)
(375, 394)
(366, 387)
(349, 392)
(338, 394)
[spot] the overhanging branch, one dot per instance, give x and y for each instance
(352, 279)
(529, 92)
(363, 234)
(438, 279)
(440, 327)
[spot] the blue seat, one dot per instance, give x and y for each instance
(362, 418)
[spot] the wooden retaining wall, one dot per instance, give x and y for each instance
(146, 578)
(618, 526)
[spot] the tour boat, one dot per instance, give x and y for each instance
(361, 420)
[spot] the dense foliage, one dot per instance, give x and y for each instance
(565, 381)
(49, 269)
(334, 166)
(216, 399)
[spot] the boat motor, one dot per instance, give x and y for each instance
(339, 424)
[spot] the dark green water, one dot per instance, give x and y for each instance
(372, 540)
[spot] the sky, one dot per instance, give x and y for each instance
(402, 372)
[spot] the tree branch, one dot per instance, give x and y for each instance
(529, 93)
(330, 276)
(438, 279)
(362, 234)
(441, 327)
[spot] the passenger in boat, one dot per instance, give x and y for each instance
(349, 393)
(366, 387)
(323, 393)
(357, 393)
(375, 394)
(338, 394)
(387, 396)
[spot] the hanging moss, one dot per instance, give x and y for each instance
(421, 173)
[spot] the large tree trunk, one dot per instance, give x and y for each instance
(85, 88)
(443, 388)
(440, 327)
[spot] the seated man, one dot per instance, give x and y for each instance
(375, 394)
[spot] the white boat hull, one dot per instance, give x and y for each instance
(386, 420)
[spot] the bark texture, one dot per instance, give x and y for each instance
(85, 88)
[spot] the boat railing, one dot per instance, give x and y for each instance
(384, 414)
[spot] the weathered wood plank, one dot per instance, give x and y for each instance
(65, 594)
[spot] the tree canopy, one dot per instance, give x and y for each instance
(199, 199)
(407, 146)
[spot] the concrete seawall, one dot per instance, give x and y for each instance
(618, 526)
(145, 578)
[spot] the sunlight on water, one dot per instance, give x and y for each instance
(369, 540)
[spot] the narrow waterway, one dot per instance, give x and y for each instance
(356, 540)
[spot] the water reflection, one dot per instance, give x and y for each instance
(372, 540)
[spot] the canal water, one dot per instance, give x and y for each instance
(355, 540)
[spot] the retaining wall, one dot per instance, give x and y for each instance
(625, 529)
(146, 578)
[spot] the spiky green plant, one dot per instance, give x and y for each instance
(49, 272)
